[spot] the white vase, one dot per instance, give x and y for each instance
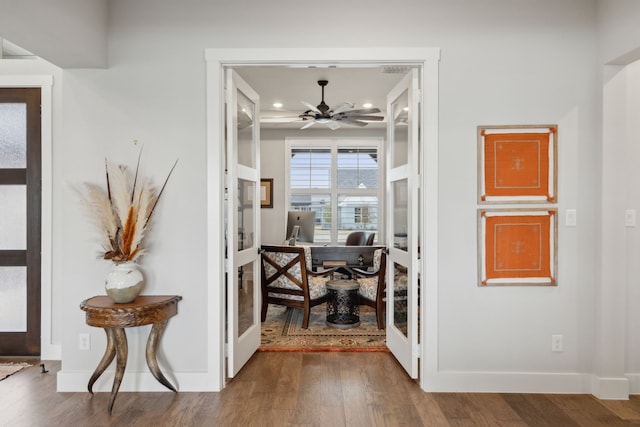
(124, 282)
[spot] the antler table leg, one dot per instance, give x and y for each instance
(152, 346)
(120, 339)
(109, 354)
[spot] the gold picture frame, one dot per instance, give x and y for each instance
(266, 192)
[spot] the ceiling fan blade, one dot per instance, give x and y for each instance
(333, 125)
(360, 117)
(307, 116)
(364, 111)
(308, 125)
(279, 119)
(340, 108)
(278, 116)
(354, 122)
(311, 107)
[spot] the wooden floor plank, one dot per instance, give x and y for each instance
(538, 410)
(304, 389)
(586, 410)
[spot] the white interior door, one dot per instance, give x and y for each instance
(402, 221)
(243, 222)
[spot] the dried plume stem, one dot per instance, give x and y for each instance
(161, 190)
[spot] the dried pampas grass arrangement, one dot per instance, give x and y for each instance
(122, 211)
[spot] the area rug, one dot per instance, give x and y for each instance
(7, 369)
(282, 331)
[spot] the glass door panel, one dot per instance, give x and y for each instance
(400, 307)
(246, 300)
(13, 299)
(400, 214)
(13, 135)
(246, 122)
(13, 220)
(400, 114)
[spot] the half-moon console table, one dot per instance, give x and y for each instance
(102, 312)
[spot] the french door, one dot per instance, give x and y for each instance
(402, 221)
(242, 222)
(20, 222)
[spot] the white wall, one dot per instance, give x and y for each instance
(71, 33)
(502, 62)
(619, 37)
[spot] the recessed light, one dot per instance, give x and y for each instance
(277, 104)
(367, 105)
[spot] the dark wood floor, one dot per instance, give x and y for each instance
(303, 389)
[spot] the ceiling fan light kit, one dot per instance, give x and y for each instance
(339, 114)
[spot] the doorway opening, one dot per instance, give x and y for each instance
(426, 59)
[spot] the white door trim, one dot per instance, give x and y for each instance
(216, 60)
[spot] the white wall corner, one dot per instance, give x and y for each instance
(50, 351)
(610, 388)
(634, 383)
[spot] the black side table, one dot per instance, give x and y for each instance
(343, 304)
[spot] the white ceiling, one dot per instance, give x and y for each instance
(290, 85)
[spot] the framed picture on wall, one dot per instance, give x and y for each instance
(517, 164)
(517, 247)
(266, 192)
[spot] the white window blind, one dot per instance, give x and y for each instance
(339, 180)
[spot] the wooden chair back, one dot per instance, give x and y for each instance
(287, 279)
(373, 286)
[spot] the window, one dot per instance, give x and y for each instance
(339, 180)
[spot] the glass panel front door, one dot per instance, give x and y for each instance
(20, 206)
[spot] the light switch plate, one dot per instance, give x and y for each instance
(570, 217)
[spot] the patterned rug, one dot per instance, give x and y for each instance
(282, 332)
(7, 369)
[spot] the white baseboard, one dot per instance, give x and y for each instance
(611, 388)
(509, 382)
(137, 381)
(450, 381)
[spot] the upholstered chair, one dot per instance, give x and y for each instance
(288, 279)
(373, 285)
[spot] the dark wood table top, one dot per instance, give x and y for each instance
(102, 312)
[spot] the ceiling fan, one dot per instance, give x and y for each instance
(337, 115)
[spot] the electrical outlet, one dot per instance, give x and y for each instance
(84, 342)
(556, 343)
(630, 218)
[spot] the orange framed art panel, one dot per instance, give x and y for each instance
(517, 164)
(517, 247)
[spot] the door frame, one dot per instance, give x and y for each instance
(219, 59)
(48, 350)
